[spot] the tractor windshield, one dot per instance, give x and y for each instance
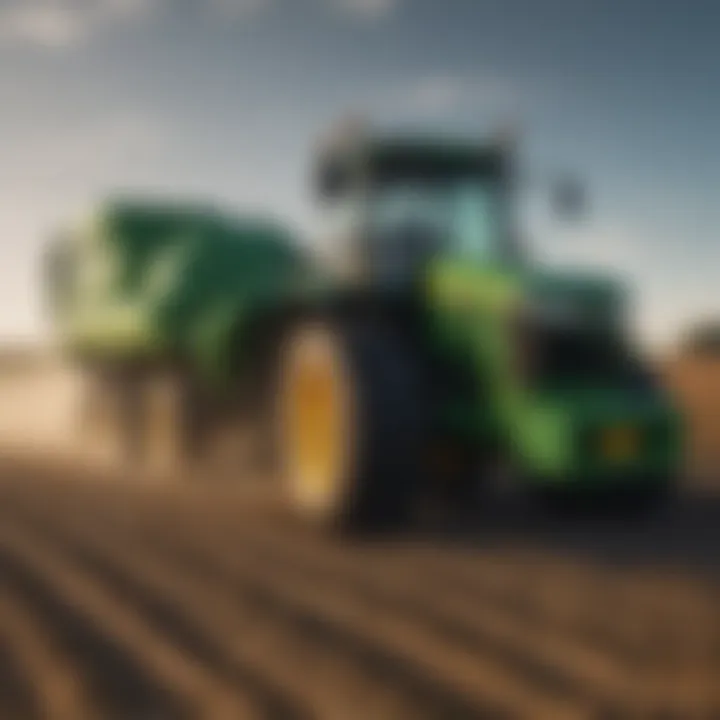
(464, 216)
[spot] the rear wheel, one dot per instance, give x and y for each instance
(351, 424)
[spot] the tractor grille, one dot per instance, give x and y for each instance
(635, 441)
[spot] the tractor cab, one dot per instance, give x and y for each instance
(396, 203)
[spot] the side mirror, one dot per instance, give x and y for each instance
(332, 180)
(569, 199)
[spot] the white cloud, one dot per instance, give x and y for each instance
(436, 95)
(58, 24)
(77, 163)
(50, 25)
(441, 95)
(112, 142)
(62, 24)
(365, 9)
(238, 8)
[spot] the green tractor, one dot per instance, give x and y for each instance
(418, 354)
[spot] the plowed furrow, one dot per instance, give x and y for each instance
(117, 684)
(481, 624)
(613, 625)
(560, 653)
(287, 648)
(137, 671)
(558, 665)
(54, 682)
(567, 591)
(642, 631)
(426, 631)
(473, 673)
(517, 569)
(554, 648)
(530, 641)
(17, 696)
(612, 614)
(292, 677)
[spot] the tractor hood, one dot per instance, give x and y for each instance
(573, 300)
(587, 385)
(557, 298)
(571, 435)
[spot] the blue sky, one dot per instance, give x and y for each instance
(224, 99)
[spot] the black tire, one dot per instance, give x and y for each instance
(634, 501)
(454, 491)
(642, 501)
(374, 489)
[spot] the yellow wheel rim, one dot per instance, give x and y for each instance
(316, 421)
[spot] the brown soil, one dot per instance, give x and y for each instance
(132, 601)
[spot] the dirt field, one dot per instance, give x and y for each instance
(696, 385)
(129, 601)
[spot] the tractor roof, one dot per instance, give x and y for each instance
(416, 152)
(424, 154)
